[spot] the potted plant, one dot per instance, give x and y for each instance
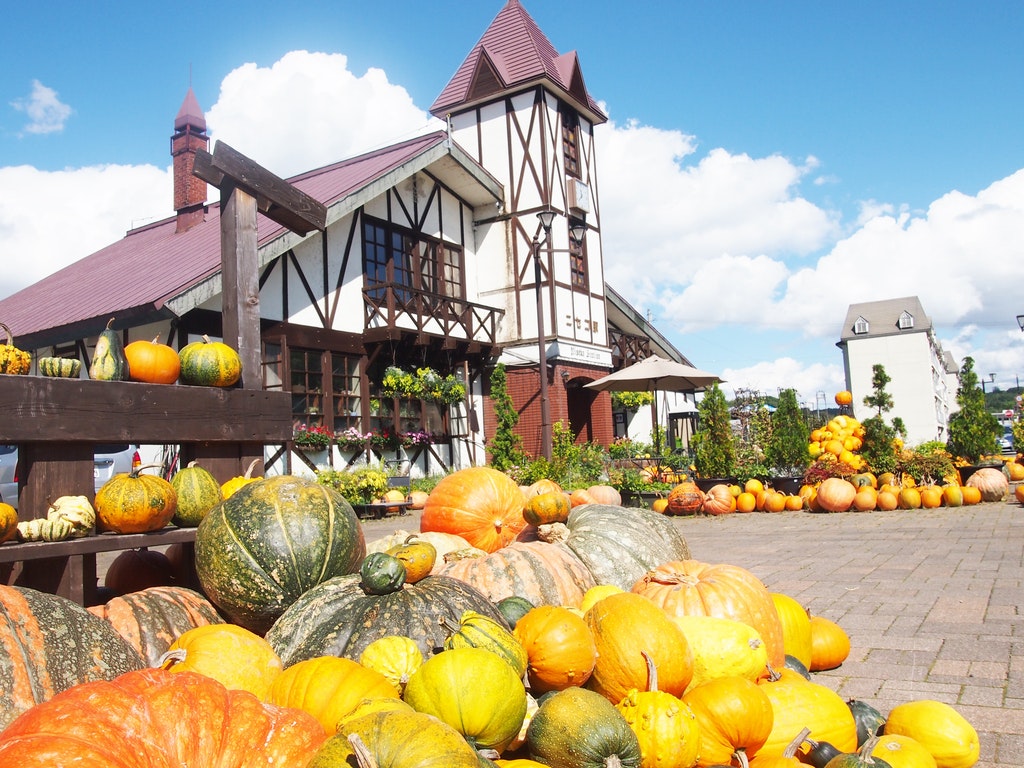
(631, 401)
(973, 431)
(786, 449)
(712, 441)
(351, 439)
(313, 438)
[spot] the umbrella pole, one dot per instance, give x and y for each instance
(654, 417)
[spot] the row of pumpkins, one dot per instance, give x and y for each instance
(200, 363)
(863, 493)
(593, 641)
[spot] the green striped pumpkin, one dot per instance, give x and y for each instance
(198, 492)
(475, 630)
(60, 367)
(271, 541)
(49, 644)
(339, 618)
(209, 364)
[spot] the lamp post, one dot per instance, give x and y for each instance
(991, 378)
(577, 231)
(1020, 321)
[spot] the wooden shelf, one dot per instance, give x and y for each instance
(56, 423)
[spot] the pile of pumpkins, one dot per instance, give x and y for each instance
(840, 440)
(864, 492)
(200, 363)
(516, 628)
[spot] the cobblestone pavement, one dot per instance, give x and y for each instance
(931, 600)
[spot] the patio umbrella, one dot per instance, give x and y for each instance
(652, 374)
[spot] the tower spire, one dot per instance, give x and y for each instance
(188, 138)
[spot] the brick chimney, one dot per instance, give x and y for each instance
(189, 137)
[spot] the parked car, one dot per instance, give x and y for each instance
(1006, 442)
(109, 459)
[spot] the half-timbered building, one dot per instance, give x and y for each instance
(432, 255)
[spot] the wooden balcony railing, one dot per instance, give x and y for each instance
(628, 348)
(391, 309)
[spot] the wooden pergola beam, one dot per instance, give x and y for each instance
(275, 198)
(247, 189)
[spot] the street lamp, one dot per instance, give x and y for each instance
(1020, 321)
(577, 231)
(991, 378)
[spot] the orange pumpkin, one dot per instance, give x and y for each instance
(328, 688)
(152, 362)
(694, 588)
(135, 503)
(605, 494)
(625, 626)
(543, 485)
(480, 504)
(836, 494)
(845, 397)
(685, 499)
(581, 496)
(735, 716)
(719, 500)
(866, 499)
(798, 703)
(746, 502)
(830, 645)
(971, 495)
(8, 522)
(559, 647)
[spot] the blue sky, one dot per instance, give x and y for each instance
(768, 163)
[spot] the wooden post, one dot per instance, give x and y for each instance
(240, 281)
(247, 189)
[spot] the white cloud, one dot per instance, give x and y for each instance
(769, 376)
(44, 109)
(85, 209)
(308, 110)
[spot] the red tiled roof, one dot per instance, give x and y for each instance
(137, 275)
(517, 52)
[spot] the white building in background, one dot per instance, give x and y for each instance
(897, 334)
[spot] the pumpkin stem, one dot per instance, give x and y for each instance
(794, 745)
(110, 322)
(252, 466)
(865, 750)
(447, 625)
(652, 672)
(364, 758)
(138, 470)
(170, 658)
(741, 758)
(773, 675)
(613, 761)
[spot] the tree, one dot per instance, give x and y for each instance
(973, 431)
(787, 448)
(506, 446)
(879, 444)
(712, 441)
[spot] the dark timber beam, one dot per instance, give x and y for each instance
(247, 188)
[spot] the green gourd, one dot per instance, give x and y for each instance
(198, 492)
(578, 728)
(108, 361)
(381, 574)
(60, 367)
